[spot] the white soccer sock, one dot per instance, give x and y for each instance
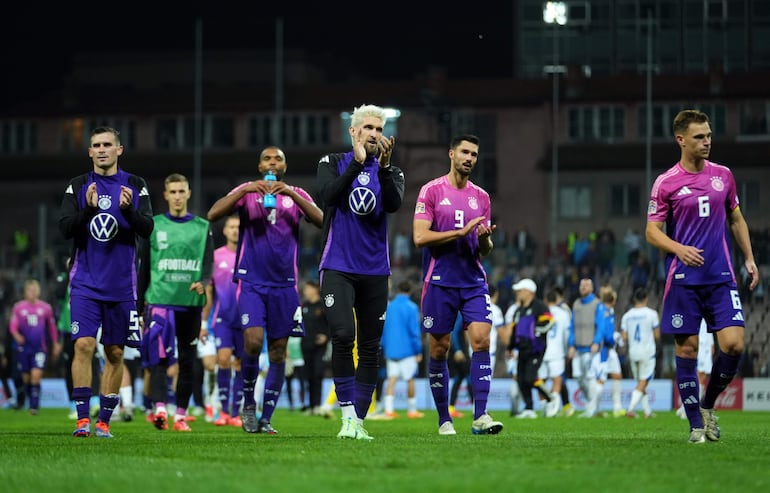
(412, 402)
(127, 397)
(593, 402)
(636, 396)
(616, 405)
(389, 400)
(646, 404)
(348, 412)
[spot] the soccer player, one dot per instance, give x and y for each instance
(222, 308)
(604, 360)
(402, 346)
(103, 211)
(692, 205)
(640, 327)
(30, 319)
(176, 267)
(357, 190)
(270, 212)
(452, 224)
(555, 356)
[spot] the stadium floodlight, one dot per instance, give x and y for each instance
(555, 12)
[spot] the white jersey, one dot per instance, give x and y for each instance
(639, 323)
(558, 336)
(508, 318)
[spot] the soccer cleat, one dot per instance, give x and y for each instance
(485, 425)
(72, 415)
(181, 425)
(567, 410)
(102, 430)
(391, 414)
(697, 435)
(631, 414)
(526, 414)
(651, 415)
(222, 420)
(209, 413)
(618, 413)
(351, 428)
(161, 421)
(150, 417)
(83, 428)
(266, 428)
(447, 428)
(249, 419)
(415, 415)
(235, 421)
(710, 424)
(378, 417)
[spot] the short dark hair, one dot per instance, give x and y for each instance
(551, 296)
(405, 286)
(640, 294)
(107, 130)
(465, 137)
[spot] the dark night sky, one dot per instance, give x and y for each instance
(385, 39)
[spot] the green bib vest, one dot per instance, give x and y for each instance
(176, 261)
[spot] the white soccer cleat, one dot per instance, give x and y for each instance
(447, 428)
(485, 425)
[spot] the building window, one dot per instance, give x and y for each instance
(603, 123)
(625, 200)
(754, 118)
(748, 194)
(222, 133)
(18, 137)
(294, 130)
(259, 131)
(575, 202)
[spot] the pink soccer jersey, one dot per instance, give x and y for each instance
(32, 320)
(457, 263)
(694, 208)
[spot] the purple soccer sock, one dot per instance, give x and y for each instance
(34, 396)
(82, 398)
(687, 381)
(237, 393)
(223, 384)
(250, 370)
(438, 377)
(725, 368)
(107, 404)
(363, 399)
(345, 388)
(481, 378)
(276, 376)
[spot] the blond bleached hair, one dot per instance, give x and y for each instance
(366, 110)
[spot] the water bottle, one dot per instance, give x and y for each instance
(269, 199)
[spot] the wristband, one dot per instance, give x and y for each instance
(204, 325)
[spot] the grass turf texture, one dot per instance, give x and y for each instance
(38, 453)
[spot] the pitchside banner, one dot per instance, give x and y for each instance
(749, 394)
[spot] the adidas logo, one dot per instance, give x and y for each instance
(738, 316)
(488, 378)
(445, 201)
(691, 400)
(436, 385)
(683, 191)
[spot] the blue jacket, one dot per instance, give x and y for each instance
(401, 336)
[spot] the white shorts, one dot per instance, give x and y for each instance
(404, 369)
(601, 369)
(551, 368)
(643, 369)
(208, 348)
